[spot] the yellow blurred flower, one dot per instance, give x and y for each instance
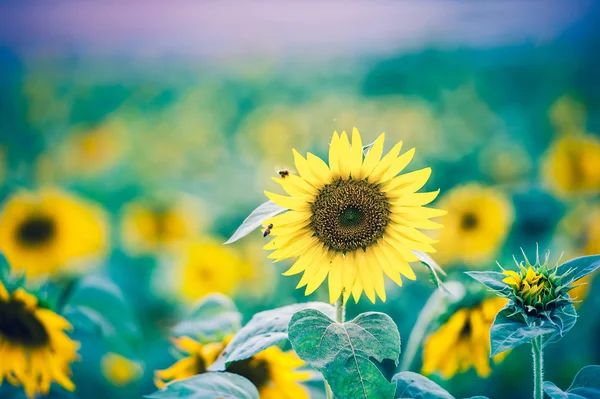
(91, 152)
(567, 115)
(463, 341)
(505, 162)
(119, 370)
(478, 221)
(272, 371)
(35, 350)
(50, 231)
(352, 220)
(148, 226)
(571, 165)
(207, 266)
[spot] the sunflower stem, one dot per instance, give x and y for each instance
(340, 314)
(538, 368)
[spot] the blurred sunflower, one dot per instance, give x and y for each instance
(567, 115)
(207, 266)
(34, 348)
(463, 341)
(572, 165)
(150, 226)
(352, 220)
(272, 371)
(119, 370)
(50, 231)
(477, 224)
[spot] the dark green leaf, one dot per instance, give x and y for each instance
(213, 317)
(562, 320)
(209, 385)
(585, 385)
(343, 352)
(491, 280)
(510, 330)
(413, 385)
(580, 267)
(265, 329)
(255, 219)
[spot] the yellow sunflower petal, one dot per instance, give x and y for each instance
(302, 166)
(415, 199)
(366, 278)
(398, 165)
(294, 204)
(356, 155)
(313, 254)
(3, 292)
(319, 169)
(335, 281)
(385, 265)
(344, 151)
(334, 155)
(397, 260)
(373, 157)
(384, 164)
(293, 189)
(406, 183)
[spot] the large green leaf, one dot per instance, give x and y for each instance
(255, 219)
(585, 385)
(209, 385)
(265, 329)
(562, 320)
(413, 385)
(212, 318)
(578, 268)
(342, 352)
(491, 280)
(510, 330)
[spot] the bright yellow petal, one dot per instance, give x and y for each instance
(415, 199)
(335, 281)
(364, 271)
(294, 204)
(356, 155)
(384, 164)
(293, 190)
(334, 155)
(344, 151)
(398, 165)
(373, 157)
(406, 183)
(319, 169)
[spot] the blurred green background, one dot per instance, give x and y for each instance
(178, 115)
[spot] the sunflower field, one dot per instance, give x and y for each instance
(299, 200)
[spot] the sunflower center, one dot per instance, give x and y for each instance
(349, 214)
(19, 325)
(36, 230)
(257, 371)
(469, 221)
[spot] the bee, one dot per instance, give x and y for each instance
(284, 173)
(268, 230)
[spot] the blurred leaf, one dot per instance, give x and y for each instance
(103, 298)
(413, 385)
(510, 330)
(578, 268)
(491, 280)
(209, 385)
(434, 269)
(255, 219)
(214, 317)
(264, 330)
(342, 352)
(585, 385)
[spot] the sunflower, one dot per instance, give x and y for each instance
(352, 220)
(150, 226)
(572, 165)
(477, 224)
(34, 348)
(272, 371)
(44, 232)
(206, 266)
(119, 370)
(463, 341)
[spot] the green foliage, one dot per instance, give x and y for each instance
(491, 280)
(585, 385)
(96, 305)
(433, 269)
(213, 317)
(413, 385)
(264, 330)
(510, 330)
(209, 385)
(254, 220)
(342, 352)
(577, 268)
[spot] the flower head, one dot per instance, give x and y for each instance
(353, 219)
(272, 371)
(49, 231)
(463, 340)
(119, 370)
(34, 347)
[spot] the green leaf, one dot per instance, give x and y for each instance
(491, 280)
(585, 385)
(578, 268)
(264, 330)
(213, 317)
(255, 219)
(343, 352)
(510, 330)
(562, 320)
(102, 298)
(413, 385)
(209, 385)
(433, 268)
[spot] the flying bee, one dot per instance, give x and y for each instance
(284, 173)
(268, 230)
